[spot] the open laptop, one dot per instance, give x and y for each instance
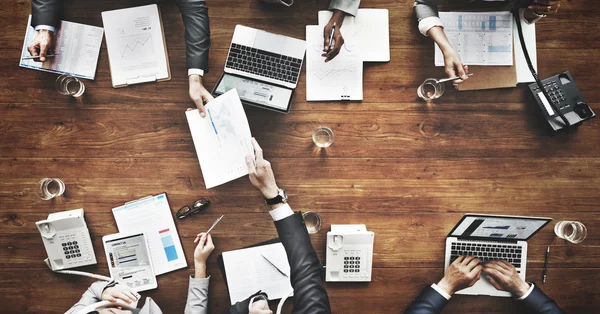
(263, 67)
(492, 237)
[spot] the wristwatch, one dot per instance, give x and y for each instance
(281, 197)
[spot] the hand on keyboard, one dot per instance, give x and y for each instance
(463, 273)
(503, 276)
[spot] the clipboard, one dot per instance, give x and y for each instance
(222, 264)
(141, 78)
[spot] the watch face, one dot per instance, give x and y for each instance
(284, 196)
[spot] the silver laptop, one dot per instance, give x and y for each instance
(491, 237)
(263, 67)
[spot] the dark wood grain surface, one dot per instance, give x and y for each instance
(407, 170)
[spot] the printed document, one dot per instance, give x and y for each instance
(338, 79)
(222, 139)
(523, 73)
(481, 38)
(373, 27)
(76, 46)
(136, 46)
(152, 216)
(263, 268)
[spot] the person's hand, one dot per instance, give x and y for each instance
(203, 249)
(541, 7)
(119, 291)
(260, 307)
(453, 66)
(40, 45)
(260, 172)
(463, 273)
(503, 276)
(198, 93)
(331, 50)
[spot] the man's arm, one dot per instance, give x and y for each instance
(346, 6)
(197, 33)
(92, 295)
(46, 12)
(463, 272)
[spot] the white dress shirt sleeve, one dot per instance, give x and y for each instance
(523, 297)
(195, 71)
(428, 23)
(48, 27)
(281, 212)
(441, 291)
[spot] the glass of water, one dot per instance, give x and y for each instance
(312, 221)
(51, 188)
(572, 231)
(69, 85)
(430, 89)
(323, 137)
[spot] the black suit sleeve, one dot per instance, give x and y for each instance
(539, 302)
(309, 290)
(46, 12)
(427, 302)
(197, 32)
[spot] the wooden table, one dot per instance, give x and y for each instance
(407, 170)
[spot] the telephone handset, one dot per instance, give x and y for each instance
(67, 240)
(349, 253)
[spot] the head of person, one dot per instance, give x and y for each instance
(111, 311)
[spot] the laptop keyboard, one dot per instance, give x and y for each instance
(264, 63)
(487, 252)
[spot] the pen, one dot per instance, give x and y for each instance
(331, 36)
(214, 224)
(545, 270)
(452, 78)
(37, 57)
(279, 270)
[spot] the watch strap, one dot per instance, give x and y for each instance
(275, 200)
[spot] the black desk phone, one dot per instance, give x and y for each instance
(566, 97)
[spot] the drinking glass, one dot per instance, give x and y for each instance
(572, 231)
(430, 89)
(312, 221)
(323, 136)
(51, 188)
(69, 85)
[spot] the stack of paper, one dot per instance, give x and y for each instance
(222, 139)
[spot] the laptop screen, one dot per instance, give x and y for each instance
(498, 227)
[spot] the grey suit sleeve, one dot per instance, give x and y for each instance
(197, 300)
(197, 32)
(92, 295)
(426, 8)
(347, 6)
(46, 12)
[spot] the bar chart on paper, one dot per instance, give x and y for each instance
(168, 244)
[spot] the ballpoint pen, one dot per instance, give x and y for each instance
(37, 57)
(214, 224)
(279, 270)
(452, 78)
(545, 270)
(331, 36)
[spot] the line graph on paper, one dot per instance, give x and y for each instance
(340, 71)
(137, 47)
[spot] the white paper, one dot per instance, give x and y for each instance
(153, 217)
(77, 47)
(523, 73)
(373, 29)
(247, 272)
(338, 79)
(481, 38)
(135, 43)
(222, 139)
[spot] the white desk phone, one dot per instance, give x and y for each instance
(68, 244)
(349, 253)
(67, 240)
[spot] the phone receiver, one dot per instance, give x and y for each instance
(582, 110)
(107, 304)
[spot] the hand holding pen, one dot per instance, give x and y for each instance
(332, 36)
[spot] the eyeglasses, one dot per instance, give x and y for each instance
(198, 206)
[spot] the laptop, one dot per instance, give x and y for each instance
(492, 237)
(263, 67)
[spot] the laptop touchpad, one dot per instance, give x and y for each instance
(269, 42)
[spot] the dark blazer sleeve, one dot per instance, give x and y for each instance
(539, 302)
(427, 302)
(197, 32)
(46, 12)
(241, 307)
(309, 290)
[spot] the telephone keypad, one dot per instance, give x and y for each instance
(352, 264)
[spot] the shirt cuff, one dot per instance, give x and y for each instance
(195, 72)
(441, 291)
(522, 15)
(281, 212)
(256, 298)
(428, 23)
(47, 27)
(523, 297)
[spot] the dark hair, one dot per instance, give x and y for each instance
(94, 312)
